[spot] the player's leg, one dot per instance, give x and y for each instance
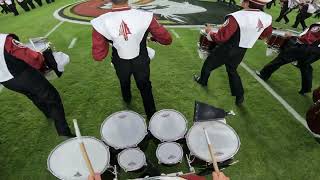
(123, 71)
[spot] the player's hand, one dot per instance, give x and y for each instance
(219, 176)
(95, 177)
(288, 34)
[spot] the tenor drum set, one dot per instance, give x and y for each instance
(278, 40)
(123, 135)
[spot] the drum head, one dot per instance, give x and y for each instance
(224, 139)
(169, 153)
(168, 125)
(123, 129)
(131, 159)
(66, 160)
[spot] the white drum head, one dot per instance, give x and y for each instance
(123, 129)
(279, 33)
(66, 161)
(224, 139)
(168, 125)
(169, 153)
(131, 159)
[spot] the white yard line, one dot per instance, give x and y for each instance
(284, 103)
(72, 43)
(54, 29)
(175, 33)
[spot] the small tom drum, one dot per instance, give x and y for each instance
(168, 125)
(131, 159)
(225, 140)
(169, 153)
(124, 129)
(66, 161)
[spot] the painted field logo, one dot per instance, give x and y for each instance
(170, 12)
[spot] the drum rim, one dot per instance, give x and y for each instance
(75, 138)
(170, 163)
(124, 147)
(128, 149)
(173, 139)
(224, 159)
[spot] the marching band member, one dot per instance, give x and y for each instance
(127, 29)
(12, 7)
(305, 11)
(240, 32)
(284, 10)
(5, 9)
(19, 72)
(24, 5)
(305, 50)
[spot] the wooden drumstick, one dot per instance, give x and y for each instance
(83, 148)
(212, 152)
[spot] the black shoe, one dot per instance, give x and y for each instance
(294, 26)
(303, 92)
(196, 78)
(277, 20)
(239, 100)
(287, 22)
(260, 76)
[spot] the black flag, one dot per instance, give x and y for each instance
(205, 112)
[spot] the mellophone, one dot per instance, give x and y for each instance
(124, 135)
(54, 61)
(204, 45)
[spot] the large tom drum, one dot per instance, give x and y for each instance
(225, 140)
(123, 129)
(168, 125)
(66, 161)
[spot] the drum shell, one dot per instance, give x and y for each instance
(316, 95)
(277, 42)
(313, 118)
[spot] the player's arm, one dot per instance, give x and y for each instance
(159, 33)
(225, 32)
(100, 46)
(266, 33)
(16, 49)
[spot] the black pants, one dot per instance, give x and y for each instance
(270, 4)
(301, 17)
(139, 68)
(5, 9)
(38, 89)
(13, 9)
(24, 5)
(283, 13)
(305, 55)
(39, 2)
(231, 58)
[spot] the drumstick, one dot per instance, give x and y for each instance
(83, 148)
(212, 152)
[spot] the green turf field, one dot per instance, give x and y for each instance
(273, 144)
